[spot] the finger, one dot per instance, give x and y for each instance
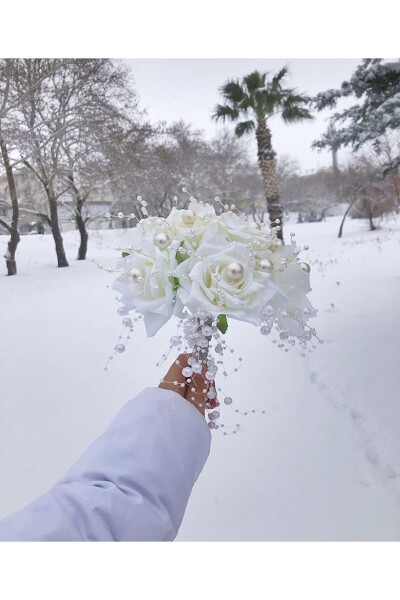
(197, 390)
(174, 380)
(213, 403)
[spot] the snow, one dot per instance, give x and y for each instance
(323, 464)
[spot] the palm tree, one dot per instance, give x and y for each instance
(255, 99)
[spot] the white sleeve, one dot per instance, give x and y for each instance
(132, 483)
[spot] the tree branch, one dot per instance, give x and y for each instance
(37, 213)
(5, 225)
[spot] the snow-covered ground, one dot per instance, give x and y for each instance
(324, 464)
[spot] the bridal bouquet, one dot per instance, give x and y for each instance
(206, 269)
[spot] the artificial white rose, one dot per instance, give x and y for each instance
(292, 281)
(293, 285)
(206, 283)
(190, 224)
(150, 231)
(148, 286)
(238, 228)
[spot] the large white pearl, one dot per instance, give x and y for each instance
(264, 265)
(162, 240)
(234, 272)
(135, 275)
(305, 267)
(277, 244)
(188, 217)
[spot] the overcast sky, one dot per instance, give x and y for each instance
(172, 89)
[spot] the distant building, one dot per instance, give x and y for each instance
(32, 198)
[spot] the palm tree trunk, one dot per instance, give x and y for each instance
(14, 233)
(267, 164)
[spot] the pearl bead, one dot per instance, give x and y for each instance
(127, 322)
(214, 415)
(278, 243)
(305, 267)
(135, 275)
(264, 265)
(265, 330)
(202, 342)
(188, 217)
(234, 272)
(188, 327)
(122, 311)
(228, 400)
(186, 372)
(119, 348)
(162, 240)
(267, 312)
(206, 330)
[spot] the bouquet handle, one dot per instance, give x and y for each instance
(201, 353)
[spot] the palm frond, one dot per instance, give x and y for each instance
(244, 127)
(232, 91)
(223, 112)
(278, 78)
(294, 99)
(291, 114)
(254, 80)
(259, 96)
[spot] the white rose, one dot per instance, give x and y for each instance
(237, 228)
(205, 283)
(147, 286)
(293, 285)
(191, 224)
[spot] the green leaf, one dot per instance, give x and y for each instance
(222, 323)
(176, 283)
(125, 254)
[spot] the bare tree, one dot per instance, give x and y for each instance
(60, 127)
(36, 127)
(109, 124)
(9, 103)
(367, 195)
(11, 227)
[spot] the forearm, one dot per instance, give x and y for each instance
(132, 483)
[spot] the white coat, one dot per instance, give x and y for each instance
(132, 483)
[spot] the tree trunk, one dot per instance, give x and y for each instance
(14, 233)
(55, 229)
(335, 166)
(345, 215)
(371, 222)
(267, 164)
(82, 231)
